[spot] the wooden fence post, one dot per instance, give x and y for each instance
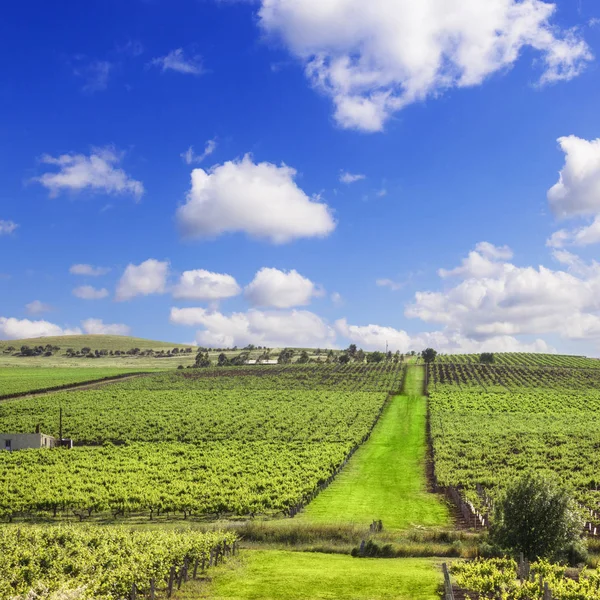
(448, 592)
(171, 580)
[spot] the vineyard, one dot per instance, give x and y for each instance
(497, 578)
(102, 562)
(18, 380)
(489, 423)
(525, 359)
(200, 443)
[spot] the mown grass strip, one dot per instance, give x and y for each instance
(282, 575)
(386, 477)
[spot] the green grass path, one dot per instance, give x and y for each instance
(281, 575)
(385, 479)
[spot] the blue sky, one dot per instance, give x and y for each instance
(353, 151)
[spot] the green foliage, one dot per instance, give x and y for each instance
(14, 380)
(282, 432)
(202, 360)
(497, 578)
(375, 357)
(104, 562)
(489, 423)
(428, 355)
(486, 358)
(285, 356)
(536, 517)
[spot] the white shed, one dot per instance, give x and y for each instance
(23, 441)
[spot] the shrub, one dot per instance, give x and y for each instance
(536, 517)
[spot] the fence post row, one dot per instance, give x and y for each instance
(448, 592)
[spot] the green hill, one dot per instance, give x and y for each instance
(95, 342)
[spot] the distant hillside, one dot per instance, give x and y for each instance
(95, 342)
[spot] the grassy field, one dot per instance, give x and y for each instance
(96, 342)
(281, 575)
(385, 479)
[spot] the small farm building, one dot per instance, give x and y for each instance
(23, 441)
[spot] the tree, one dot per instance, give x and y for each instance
(222, 361)
(304, 357)
(375, 357)
(351, 350)
(487, 358)
(429, 355)
(202, 360)
(536, 517)
(343, 358)
(285, 356)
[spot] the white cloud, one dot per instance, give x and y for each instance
(178, 61)
(88, 270)
(37, 307)
(348, 178)
(96, 75)
(577, 191)
(261, 200)
(497, 298)
(190, 157)
(7, 227)
(98, 327)
(580, 236)
(14, 329)
(375, 337)
(299, 328)
(205, 285)
(97, 172)
(481, 262)
(337, 299)
(280, 289)
(374, 58)
(390, 283)
(88, 292)
(149, 277)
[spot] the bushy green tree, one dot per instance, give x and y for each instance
(535, 516)
(429, 355)
(487, 358)
(222, 361)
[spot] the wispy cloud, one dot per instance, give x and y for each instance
(177, 60)
(190, 157)
(7, 227)
(96, 75)
(348, 178)
(389, 283)
(98, 172)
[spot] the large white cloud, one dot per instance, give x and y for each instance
(14, 329)
(97, 172)
(377, 337)
(280, 289)
(298, 328)
(149, 277)
(373, 58)
(577, 191)
(205, 285)
(98, 327)
(261, 200)
(89, 292)
(497, 298)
